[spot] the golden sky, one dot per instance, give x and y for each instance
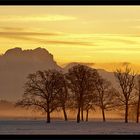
(103, 35)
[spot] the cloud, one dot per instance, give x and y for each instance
(119, 38)
(29, 18)
(25, 36)
(25, 33)
(12, 28)
(126, 41)
(28, 36)
(119, 49)
(65, 42)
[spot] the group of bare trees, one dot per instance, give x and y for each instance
(81, 88)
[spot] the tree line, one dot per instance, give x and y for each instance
(83, 89)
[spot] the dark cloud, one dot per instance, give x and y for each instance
(27, 38)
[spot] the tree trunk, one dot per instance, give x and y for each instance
(87, 116)
(78, 115)
(103, 113)
(82, 113)
(48, 117)
(65, 114)
(138, 107)
(48, 113)
(126, 112)
(138, 104)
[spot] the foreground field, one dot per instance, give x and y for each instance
(70, 127)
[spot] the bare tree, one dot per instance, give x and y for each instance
(41, 91)
(138, 101)
(126, 80)
(63, 96)
(80, 79)
(90, 102)
(105, 95)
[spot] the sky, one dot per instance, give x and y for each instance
(102, 36)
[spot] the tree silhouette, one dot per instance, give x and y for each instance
(81, 81)
(63, 96)
(126, 81)
(105, 95)
(90, 102)
(138, 100)
(41, 91)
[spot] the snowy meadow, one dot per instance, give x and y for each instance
(70, 127)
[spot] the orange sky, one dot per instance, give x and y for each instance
(104, 35)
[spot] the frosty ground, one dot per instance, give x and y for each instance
(70, 127)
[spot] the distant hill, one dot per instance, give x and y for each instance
(16, 64)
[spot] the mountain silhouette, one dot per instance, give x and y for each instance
(16, 64)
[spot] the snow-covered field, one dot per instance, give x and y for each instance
(70, 127)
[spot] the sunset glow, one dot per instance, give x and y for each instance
(106, 36)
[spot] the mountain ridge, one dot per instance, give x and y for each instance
(16, 64)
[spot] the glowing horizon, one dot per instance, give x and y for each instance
(103, 35)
